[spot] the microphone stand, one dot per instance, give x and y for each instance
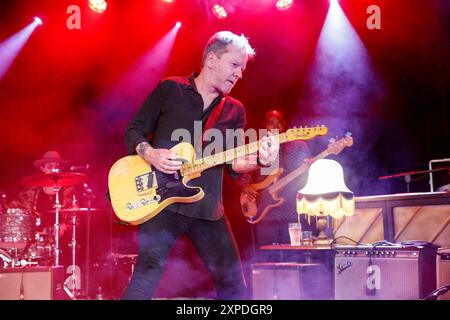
(22, 289)
(74, 250)
(89, 195)
(57, 208)
(408, 182)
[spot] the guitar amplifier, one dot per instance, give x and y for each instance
(384, 272)
(32, 283)
(443, 270)
(291, 281)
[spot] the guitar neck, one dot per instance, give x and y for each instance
(280, 184)
(225, 156)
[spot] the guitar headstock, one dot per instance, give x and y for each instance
(305, 133)
(336, 146)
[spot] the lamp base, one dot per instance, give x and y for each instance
(322, 242)
(322, 239)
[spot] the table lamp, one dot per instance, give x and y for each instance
(325, 194)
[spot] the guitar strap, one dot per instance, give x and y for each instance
(213, 117)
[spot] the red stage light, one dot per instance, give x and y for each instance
(178, 24)
(219, 11)
(169, 1)
(98, 5)
(284, 4)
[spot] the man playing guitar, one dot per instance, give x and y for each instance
(291, 156)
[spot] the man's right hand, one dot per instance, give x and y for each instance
(161, 159)
(250, 193)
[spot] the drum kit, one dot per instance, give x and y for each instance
(21, 244)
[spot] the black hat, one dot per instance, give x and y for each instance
(50, 156)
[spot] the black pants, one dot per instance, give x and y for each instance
(214, 243)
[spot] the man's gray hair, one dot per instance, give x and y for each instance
(219, 41)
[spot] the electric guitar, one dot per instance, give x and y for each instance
(255, 210)
(139, 192)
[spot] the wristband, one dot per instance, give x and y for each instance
(262, 165)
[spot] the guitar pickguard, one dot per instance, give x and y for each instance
(171, 185)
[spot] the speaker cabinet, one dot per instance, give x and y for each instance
(384, 273)
(443, 270)
(291, 281)
(32, 283)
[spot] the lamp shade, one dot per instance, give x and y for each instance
(325, 176)
(325, 191)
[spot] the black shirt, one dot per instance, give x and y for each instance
(176, 104)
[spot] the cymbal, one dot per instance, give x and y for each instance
(60, 179)
(76, 209)
(19, 245)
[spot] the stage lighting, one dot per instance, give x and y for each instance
(178, 24)
(98, 5)
(219, 11)
(38, 21)
(169, 1)
(284, 4)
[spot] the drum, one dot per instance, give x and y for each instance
(41, 250)
(17, 226)
(5, 259)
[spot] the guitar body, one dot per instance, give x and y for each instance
(139, 192)
(254, 210)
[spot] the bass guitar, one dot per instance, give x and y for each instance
(139, 192)
(267, 198)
